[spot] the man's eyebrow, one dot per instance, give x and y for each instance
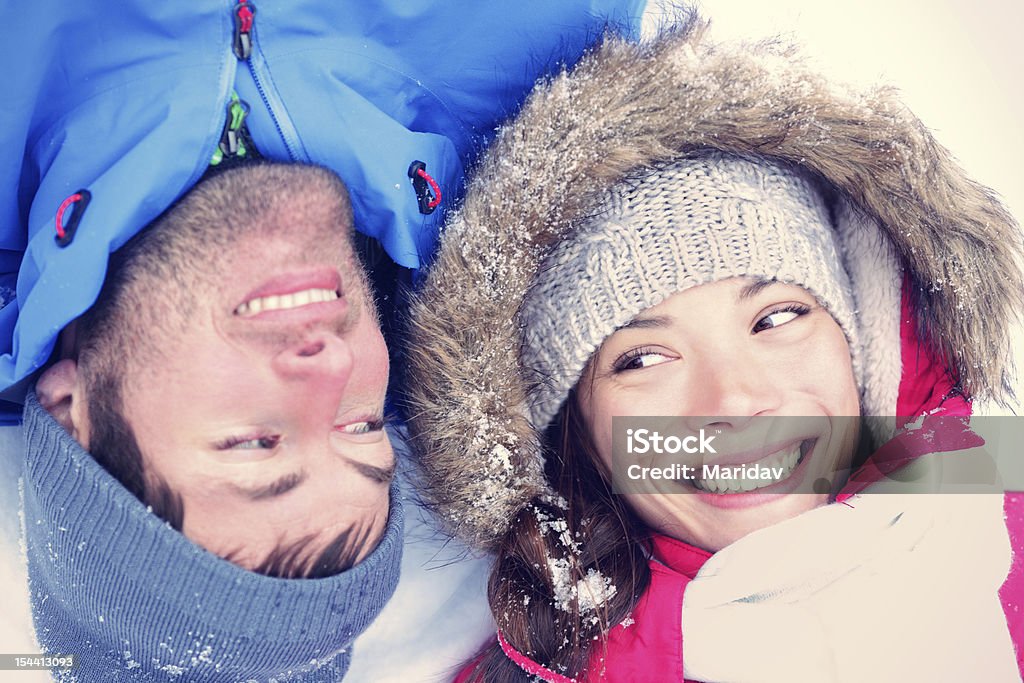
(755, 287)
(273, 489)
(380, 475)
(646, 323)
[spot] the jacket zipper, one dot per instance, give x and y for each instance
(244, 17)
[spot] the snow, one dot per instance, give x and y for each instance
(594, 590)
(437, 618)
(16, 634)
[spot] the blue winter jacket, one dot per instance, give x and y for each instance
(128, 101)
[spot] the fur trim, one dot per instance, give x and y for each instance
(627, 107)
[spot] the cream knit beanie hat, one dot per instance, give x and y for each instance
(694, 222)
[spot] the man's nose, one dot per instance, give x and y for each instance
(728, 392)
(319, 356)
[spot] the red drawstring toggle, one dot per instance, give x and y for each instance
(66, 231)
(421, 181)
(60, 212)
(436, 201)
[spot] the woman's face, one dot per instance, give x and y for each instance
(724, 356)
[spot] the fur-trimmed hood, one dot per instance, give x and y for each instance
(919, 231)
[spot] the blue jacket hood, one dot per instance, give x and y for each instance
(131, 104)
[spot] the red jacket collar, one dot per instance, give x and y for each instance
(678, 556)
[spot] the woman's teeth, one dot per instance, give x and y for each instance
(280, 302)
(777, 467)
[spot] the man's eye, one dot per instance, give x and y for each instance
(637, 359)
(780, 317)
(363, 427)
(245, 444)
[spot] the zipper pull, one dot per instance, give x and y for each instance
(243, 16)
(231, 143)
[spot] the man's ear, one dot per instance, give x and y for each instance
(61, 393)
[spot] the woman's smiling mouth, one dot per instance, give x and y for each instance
(743, 478)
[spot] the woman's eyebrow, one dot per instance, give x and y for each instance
(755, 287)
(646, 323)
(273, 489)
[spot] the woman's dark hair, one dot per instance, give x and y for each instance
(584, 528)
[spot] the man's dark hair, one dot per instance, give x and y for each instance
(115, 448)
(114, 331)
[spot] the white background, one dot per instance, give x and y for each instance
(958, 64)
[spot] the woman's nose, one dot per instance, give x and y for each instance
(315, 358)
(730, 391)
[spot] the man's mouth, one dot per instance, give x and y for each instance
(282, 302)
(763, 473)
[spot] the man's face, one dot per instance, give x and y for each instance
(262, 404)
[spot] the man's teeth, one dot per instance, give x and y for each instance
(787, 460)
(280, 302)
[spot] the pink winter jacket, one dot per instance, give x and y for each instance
(1012, 593)
(650, 647)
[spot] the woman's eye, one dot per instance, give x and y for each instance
(639, 359)
(363, 427)
(780, 317)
